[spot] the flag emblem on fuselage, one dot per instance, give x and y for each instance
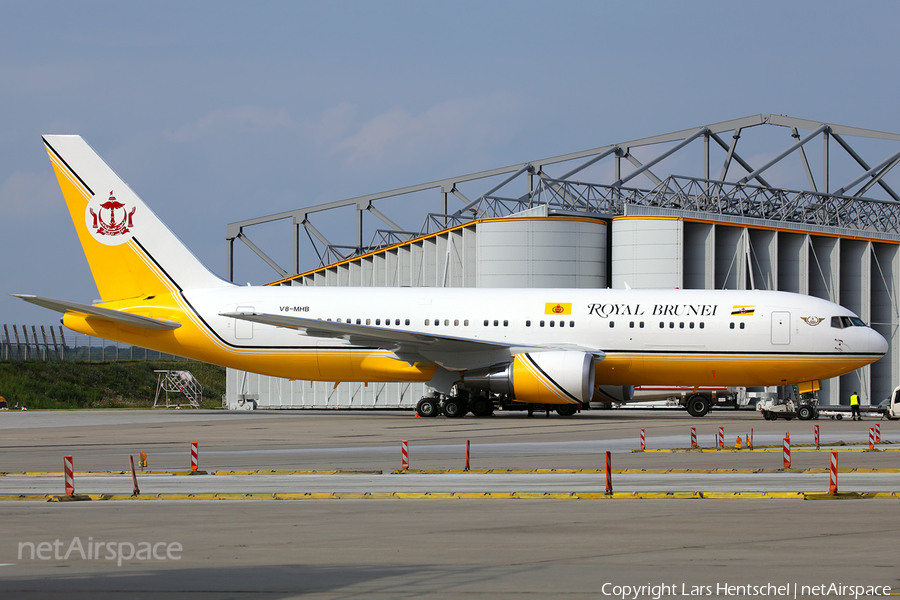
(558, 308)
(742, 311)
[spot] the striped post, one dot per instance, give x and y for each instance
(817, 437)
(467, 455)
(643, 441)
(832, 487)
(871, 438)
(786, 452)
(70, 475)
(878, 432)
(195, 457)
(404, 455)
(693, 437)
(608, 474)
(721, 440)
(137, 490)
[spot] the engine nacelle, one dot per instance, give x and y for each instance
(553, 377)
(613, 393)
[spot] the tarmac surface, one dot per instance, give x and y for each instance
(511, 528)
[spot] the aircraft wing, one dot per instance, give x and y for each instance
(104, 314)
(449, 351)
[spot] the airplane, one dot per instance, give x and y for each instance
(478, 348)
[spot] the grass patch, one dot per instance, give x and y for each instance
(121, 384)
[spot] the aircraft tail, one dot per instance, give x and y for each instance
(131, 252)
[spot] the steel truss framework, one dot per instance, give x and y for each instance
(850, 207)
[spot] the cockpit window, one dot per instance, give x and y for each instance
(841, 322)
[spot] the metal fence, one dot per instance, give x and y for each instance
(54, 343)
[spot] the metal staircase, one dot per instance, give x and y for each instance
(181, 384)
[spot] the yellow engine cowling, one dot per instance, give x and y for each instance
(553, 377)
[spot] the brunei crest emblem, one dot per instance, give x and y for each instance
(110, 221)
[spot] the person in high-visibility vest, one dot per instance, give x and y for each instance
(854, 407)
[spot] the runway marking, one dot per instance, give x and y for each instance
(764, 449)
(469, 472)
(307, 472)
(632, 471)
(475, 496)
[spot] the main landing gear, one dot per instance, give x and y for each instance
(455, 407)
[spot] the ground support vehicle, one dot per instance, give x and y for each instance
(804, 408)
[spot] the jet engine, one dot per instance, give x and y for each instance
(553, 377)
(613, 393)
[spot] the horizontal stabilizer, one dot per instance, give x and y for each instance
(105, 314)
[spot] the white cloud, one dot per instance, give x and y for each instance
(242, 119)
(454, 126)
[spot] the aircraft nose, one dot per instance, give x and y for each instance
(877, 343)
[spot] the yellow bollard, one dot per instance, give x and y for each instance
(738, 442)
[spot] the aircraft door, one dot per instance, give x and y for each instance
(243, 330)
(781, 328)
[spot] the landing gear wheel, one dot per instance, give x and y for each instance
(427, 407)
(481, 407)
(697, 405)
(455, 408)
(567, 410)
(805, 413)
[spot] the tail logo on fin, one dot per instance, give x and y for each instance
(101, 220)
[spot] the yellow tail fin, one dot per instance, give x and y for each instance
(131, 253)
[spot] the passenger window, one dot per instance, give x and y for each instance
(731, 325)
(662, 325)
(407, 321)
(562, 323)
(496, 323)
(692, 324)
(368, 321)
(631, 325)
(527, 323)
(456, 322)
(681, 325)
(466, 323)
(701, 325)
(378, 321)
(552, 323)
(542, 323)
(571, 323)
(671, 325)
(359, 321)
(485, 323)
(742, 325)
(427, 322)
(506, 323)
(612, 324)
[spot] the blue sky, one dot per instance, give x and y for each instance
(216, 112)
